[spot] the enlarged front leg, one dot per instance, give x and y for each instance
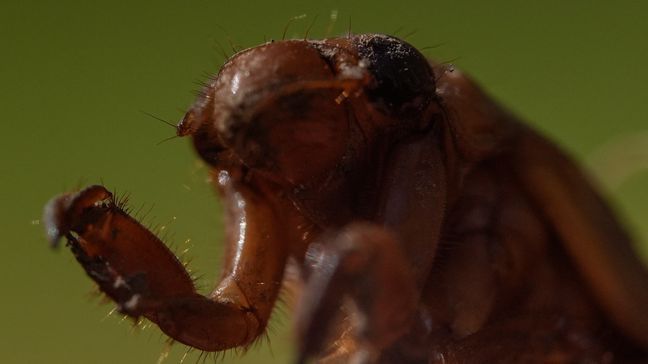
(134, 268)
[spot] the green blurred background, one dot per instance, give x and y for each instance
(75, 76)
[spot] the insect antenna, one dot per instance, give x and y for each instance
(165, 122)
(158, 119)
(167, 139)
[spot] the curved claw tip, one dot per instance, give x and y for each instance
(61, 212)
(54, 218)
(54, 236)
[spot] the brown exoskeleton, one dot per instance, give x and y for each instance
(428, 224)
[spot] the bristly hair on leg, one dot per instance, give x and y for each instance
(159, 230)
(186, 354)
(166, 350)
(262, 339)
(121, 201)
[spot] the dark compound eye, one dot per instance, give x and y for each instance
(401, 72)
